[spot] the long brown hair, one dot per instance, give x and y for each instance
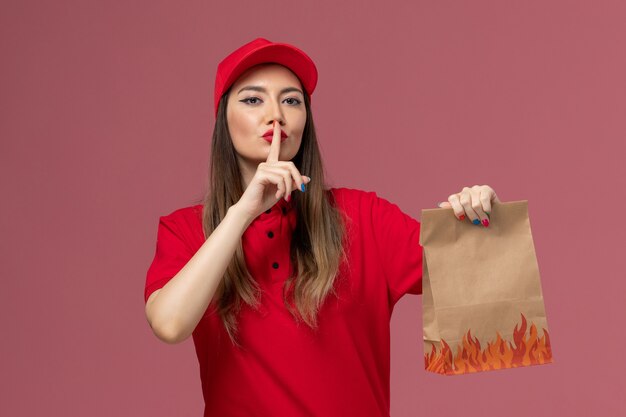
(317, 244)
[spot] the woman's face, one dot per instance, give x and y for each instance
(262, 94)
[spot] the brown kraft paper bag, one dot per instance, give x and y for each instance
(483, 307)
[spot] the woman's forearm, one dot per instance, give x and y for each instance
(178, 307)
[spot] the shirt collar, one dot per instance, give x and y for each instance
(281, 208)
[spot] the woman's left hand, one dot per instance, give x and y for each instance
(474, 202)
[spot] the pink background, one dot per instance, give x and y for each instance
(106, 122)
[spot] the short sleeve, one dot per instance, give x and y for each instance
(172, 254)
(397, 235)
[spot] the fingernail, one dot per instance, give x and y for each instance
(288, 197)
(486, 223)
(476, 221)
(462, 217)
(303, 188)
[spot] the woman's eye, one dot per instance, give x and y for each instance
(246, 100)
(294, 99)
(255, 100)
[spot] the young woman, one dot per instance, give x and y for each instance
(286, 286)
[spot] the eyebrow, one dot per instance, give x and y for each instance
(263, 90)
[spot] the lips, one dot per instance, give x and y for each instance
(270, 133)
(270, 137)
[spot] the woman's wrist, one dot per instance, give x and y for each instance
(240, 216)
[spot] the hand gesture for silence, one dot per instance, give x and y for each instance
(474, 202)
(276, 179)
(272, 180)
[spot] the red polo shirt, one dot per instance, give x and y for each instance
(287, 369)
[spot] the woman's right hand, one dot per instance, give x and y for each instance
(273, 180)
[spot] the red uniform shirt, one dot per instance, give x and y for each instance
(287, 369)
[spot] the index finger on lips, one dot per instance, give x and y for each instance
(275, 146)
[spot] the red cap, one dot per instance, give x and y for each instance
(263, 51)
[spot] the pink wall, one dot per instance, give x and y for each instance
(105, 125)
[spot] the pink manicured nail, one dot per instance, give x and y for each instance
(486, 222)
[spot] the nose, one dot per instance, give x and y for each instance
(275, 113)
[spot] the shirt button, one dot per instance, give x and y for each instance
(270, 234)
(268, 211)
(275, 265)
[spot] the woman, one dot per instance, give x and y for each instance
(286, 286)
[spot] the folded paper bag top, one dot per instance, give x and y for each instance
(483, 307)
